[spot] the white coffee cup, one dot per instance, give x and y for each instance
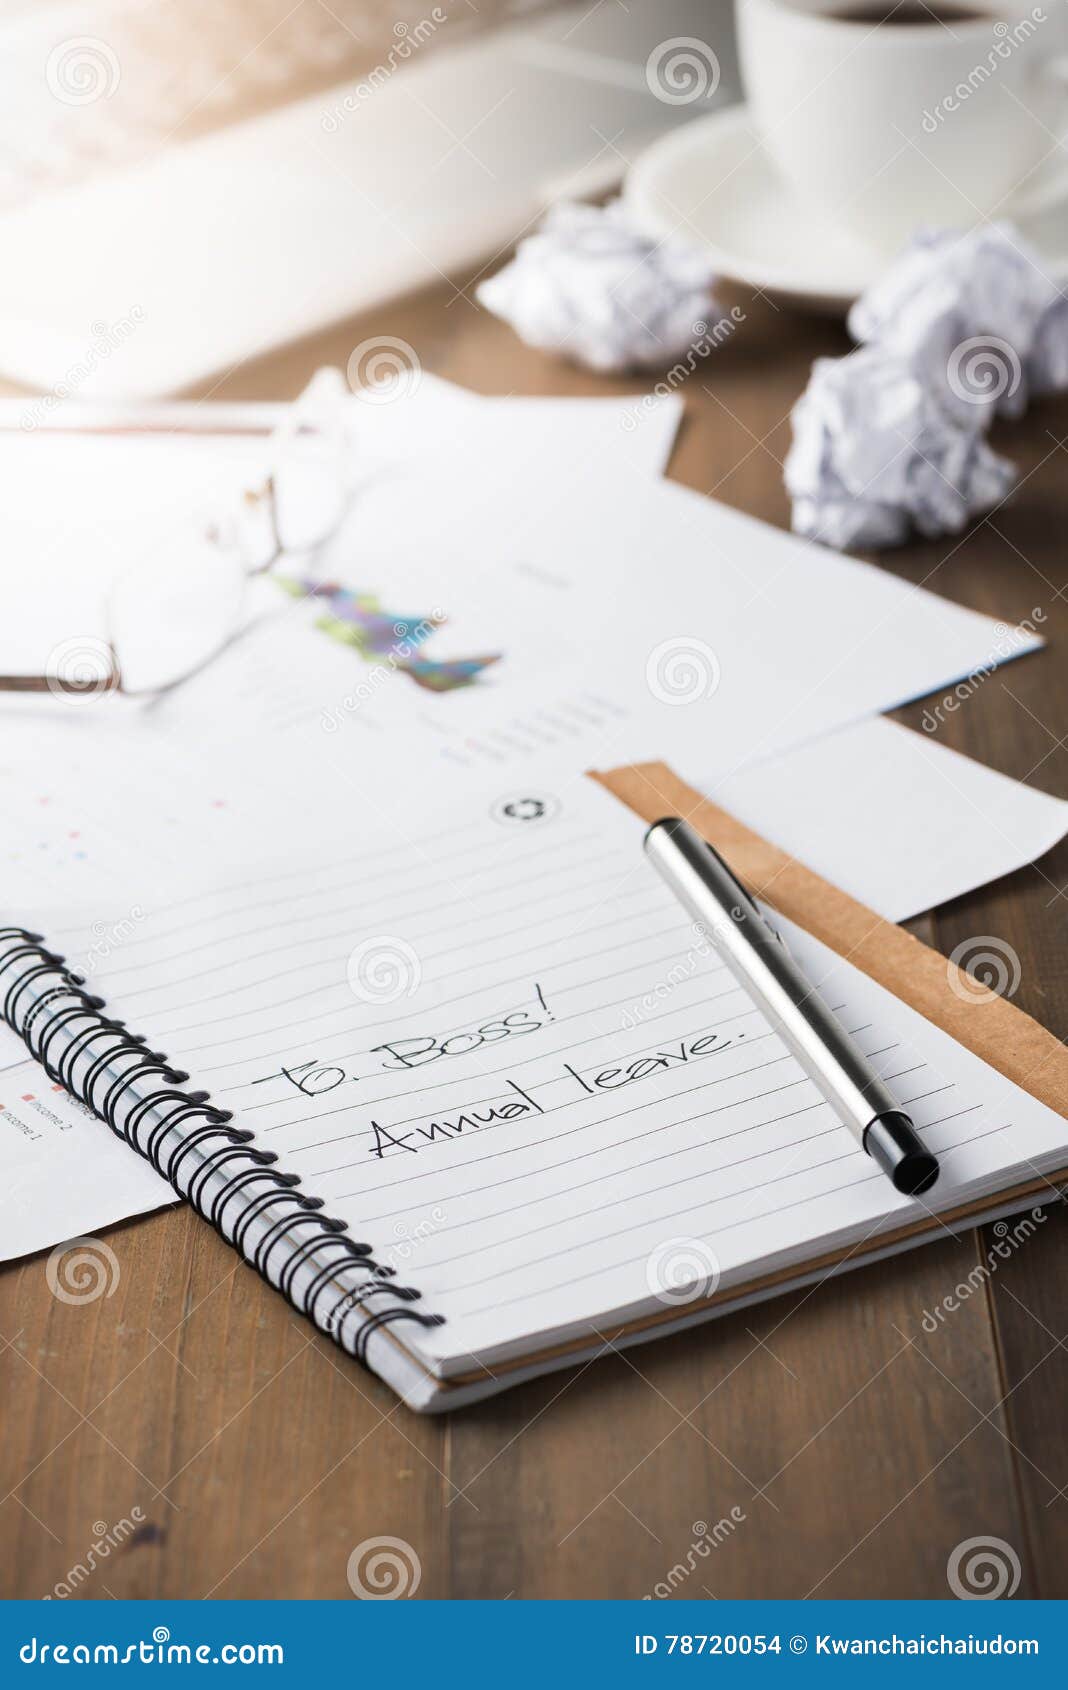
(890, 126)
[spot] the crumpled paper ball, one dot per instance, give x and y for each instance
(876, 457)
(589, 285)
(977, 317)
(1047, 363)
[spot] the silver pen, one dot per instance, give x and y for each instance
(760, 962)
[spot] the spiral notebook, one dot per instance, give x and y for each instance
(480, 1102)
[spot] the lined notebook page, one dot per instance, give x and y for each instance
(504, 1055)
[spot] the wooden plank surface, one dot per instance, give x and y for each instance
(189, 1436)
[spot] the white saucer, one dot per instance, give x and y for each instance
(713, 181)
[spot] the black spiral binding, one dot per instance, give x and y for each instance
(46, 999)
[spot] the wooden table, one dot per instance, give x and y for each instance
(847, 1450)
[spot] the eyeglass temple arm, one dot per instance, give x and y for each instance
(66, 686)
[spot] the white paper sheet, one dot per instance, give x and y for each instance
(892, 816)
(64, 1175)
(81, 509)
(626, 618)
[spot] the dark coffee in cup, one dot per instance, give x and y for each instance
(909, 13)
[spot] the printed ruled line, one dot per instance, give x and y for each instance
(546, 974)
(442, 1084)
(334, 916)
(340, 984)
(559, 1079)
(601, 1121)
(375, 906)
(515, 1066)
(568, 842)
(590, 1126)
(635, 1138)
(431, 1264)
(409, 915)
(731, 1226)
(288, 874)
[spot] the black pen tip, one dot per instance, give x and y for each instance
(916, 1174)
(892, 1141)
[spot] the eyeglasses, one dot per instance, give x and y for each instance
(167, 619)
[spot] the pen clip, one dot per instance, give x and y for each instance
(746, 896)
